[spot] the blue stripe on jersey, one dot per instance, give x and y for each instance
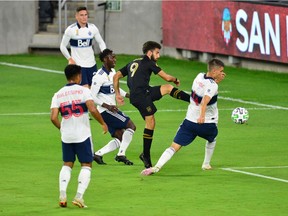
(197, 99)
(73, 109)
(107, 89)
(104, 71)
(117, 115)
(85, 42)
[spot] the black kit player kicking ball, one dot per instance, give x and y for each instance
(142, 95)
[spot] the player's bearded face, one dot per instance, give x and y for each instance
(155, 55)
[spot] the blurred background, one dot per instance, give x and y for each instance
(249, 34)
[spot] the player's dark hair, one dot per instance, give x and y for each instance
(105, 53)
(80, 9)
(150, 45)
(215, 63)
(71, 71)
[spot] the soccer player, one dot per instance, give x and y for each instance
(201, 118)
(73, 102)
(142, 95)
(120, 126)
(80, 36)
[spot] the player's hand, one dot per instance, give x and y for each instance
(201, 120)
(112, 108)
(71, 61)
(120, 100)
(104, 128)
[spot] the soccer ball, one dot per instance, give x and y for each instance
(240, 115)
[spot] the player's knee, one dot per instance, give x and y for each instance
(131, 125)
(166, 89)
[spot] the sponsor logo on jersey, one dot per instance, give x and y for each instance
(81, 42)
(84, 43)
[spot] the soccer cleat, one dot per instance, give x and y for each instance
(147, 161)
(206, 167)
(79, 202)
(149, 171)
(62, 202)
(99, 159)
(123, 159)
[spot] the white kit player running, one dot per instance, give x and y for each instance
(73, 103)
(119, 125)
(201, 117)
(80, 36)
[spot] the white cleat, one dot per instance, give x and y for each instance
(79, 202)
(206, 167)
(149, 171)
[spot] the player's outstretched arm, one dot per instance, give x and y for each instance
(169, 78)
(116, 78)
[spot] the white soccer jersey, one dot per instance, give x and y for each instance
(80, 40)
(202, 86)
(71, 101)
(102, 88)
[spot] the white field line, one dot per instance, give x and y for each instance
(253, 103)
(220, 97)
(259, 167)
(125, 111)
(32, 68)
(257, 175)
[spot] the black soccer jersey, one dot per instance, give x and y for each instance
(139, 72)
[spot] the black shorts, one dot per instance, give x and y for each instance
(144, 102)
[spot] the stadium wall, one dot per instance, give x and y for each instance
(18, 23)
(127, 29)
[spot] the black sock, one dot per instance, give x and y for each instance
(147, 141)
(179, 94)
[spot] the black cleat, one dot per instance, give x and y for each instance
(123, 159)
(98, 159)
(147, 161)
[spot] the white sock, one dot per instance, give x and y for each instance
(209, 150)
(126, 140)
(64, 179)
(83, 181)
(109, 147)
(165, 157)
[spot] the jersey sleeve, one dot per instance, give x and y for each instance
(64, 44)
(211, 89)
(87, 94)
(99, 39)
(97, 82)
(124, 71)
(155, 68)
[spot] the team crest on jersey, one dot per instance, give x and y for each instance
(149, 109)
(89, 33)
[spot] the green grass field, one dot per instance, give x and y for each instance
(255, 154)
